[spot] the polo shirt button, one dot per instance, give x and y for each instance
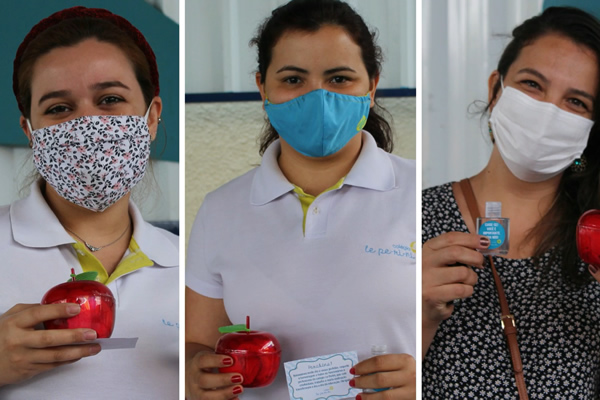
(315, 210)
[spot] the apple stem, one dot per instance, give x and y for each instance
(73, 274)
(248, 322)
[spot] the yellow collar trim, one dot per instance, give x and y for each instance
(307, 199)
(135, 259)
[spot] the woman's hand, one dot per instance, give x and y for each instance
(204, 382)
(446, 276)
(394, 371)
(26, 352)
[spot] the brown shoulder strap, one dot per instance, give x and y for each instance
(510, 328)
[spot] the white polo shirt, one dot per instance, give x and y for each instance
(347, 284)
(37, 254)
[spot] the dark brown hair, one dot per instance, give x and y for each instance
(577, 191)
(309, 16)
(71, 32)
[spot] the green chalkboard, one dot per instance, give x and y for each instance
(161, 32)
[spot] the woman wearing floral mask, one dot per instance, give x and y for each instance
(86, 82)
(292, 242)
(544, 170)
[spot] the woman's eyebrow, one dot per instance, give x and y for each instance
(338, 69)
(54, 94)
(108, 84)
(534, 72)
(292, 68)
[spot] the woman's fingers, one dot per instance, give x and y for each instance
(464, 239)
(56, 337)
(208, 384)
(29, 317)
(394, 371)
(62, 354)
(451, 275)
(454, 248)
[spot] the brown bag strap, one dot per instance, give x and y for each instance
(506, 318)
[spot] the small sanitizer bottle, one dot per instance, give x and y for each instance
(377, 350)
(494, 227)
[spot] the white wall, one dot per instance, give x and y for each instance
(218, 58)
(462, 42)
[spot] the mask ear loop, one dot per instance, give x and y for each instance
(30, 132)
(148, 111)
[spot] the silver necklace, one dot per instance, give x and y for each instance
(94, 248)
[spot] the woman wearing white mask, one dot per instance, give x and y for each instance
(86, 82)
(289, 243)
(544, 169)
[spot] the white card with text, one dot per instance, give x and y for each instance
(321, 378)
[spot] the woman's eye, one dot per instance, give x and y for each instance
(531, 84)
(110, 100)
(339, 79)
(57, 109)
(578, 103)
(292, 80)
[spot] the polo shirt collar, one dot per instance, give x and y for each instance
(153, 241)
(373, 169)
(35, 225)
(269, 182)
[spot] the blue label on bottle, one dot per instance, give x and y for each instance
(495, 231)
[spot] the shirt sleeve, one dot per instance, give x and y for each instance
(199, 276)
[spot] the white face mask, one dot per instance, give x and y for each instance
(93, 161)
(537, 140)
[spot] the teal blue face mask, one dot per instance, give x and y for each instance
(319, 123)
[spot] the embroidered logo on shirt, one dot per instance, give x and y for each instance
(397, 250)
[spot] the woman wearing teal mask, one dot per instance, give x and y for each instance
(543, 108)
(322, 230)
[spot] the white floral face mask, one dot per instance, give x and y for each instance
(93, 161)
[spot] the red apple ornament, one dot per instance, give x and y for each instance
(588, 237)
(256, 355)
(95, 299)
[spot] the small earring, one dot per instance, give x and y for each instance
(159, 120)
(579, 164)
(491, 132)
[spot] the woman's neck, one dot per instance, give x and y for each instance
(110, 230)
(525, 203)
(315, 175)
(497, 183)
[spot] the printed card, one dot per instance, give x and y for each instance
(321, 378)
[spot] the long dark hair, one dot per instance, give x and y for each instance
(309, 16)
(577, 191)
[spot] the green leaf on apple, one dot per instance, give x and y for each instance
(234, 328)
(84, 276)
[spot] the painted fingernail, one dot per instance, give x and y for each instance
(237, 390)
(352, 371)
(484, 241)
(592, 269)
(90, 335)
(227, 361)
(236, 379)
(95, 349)
(358, 397)
(73, 309)
(352, 383)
